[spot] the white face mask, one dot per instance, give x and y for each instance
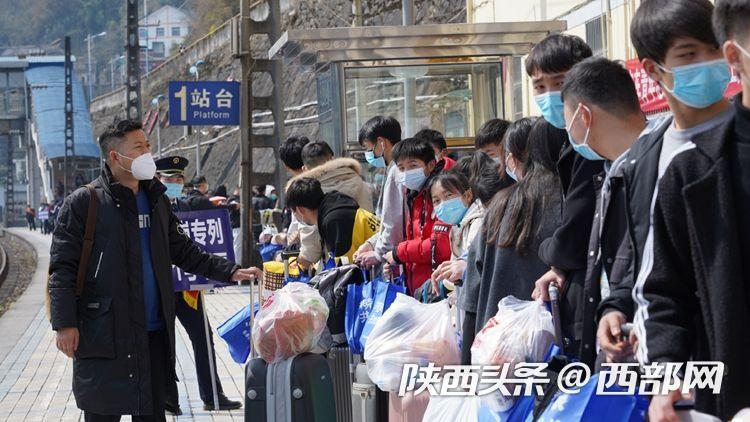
(142, 167)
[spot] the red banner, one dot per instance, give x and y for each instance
(651, 95)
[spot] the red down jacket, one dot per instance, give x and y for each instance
(427, 241)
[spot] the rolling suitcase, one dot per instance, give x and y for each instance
(339, 361)
(297, 389)
(364, 396)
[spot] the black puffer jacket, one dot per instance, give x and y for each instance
(111, 370)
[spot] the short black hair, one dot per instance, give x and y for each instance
(491, 132)
(290, 151)
(198, 180)
(557, 53)
(432, 136)
(657, 23)
(483, 176)
(115, 132)
(603, 83)
(380, 126)
(413, 148)
(517, 138)
(304, 192)
(731, 18)
(315, 154)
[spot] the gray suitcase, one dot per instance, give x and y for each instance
(363, 396)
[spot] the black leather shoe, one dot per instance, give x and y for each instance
(173, 408)
(224, 404)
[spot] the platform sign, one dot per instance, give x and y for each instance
(212, 232)
(204, 103)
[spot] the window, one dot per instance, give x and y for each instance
(160, 31)
(157, 49)
(175, 31)
(595, 32)
(142, 33)
(517, 87)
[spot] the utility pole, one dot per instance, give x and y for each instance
(133, 97)
(69, 140)
(248, 140)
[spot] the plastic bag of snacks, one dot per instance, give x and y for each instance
(410, 332)
(521, 331)
(289, 323)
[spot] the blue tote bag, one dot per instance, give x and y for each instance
(365, 304)
(587, 406)
(236, 333)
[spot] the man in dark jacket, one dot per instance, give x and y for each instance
(667, 35)
(189, 308)
(120, 330)
(197, 197)
(343, 226)
(603, 115)
(693, 290)
(565, 251)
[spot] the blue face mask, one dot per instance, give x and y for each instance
(510, 172)
(583, 148)
(699, 85)
(552, 108)
(451, 211)
(413, 179)
(377, 162)
(273, 197)
(174, 190)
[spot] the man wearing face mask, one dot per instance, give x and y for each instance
(427, 242)
(677, 47)
(188, 308)
(565, 251)
(604, 119)
(118, 323)
(378, 136)
(692, 289)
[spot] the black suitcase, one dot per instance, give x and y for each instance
(297, 389)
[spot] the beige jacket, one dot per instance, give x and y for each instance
(342, 175)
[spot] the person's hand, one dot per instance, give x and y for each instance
(609, 336)
(67, 340)
(661, 408)
(367, 259)
(293, 238)
(447, 270)
(389, 258)
(541, 289)
(247, 274)
(365, 247)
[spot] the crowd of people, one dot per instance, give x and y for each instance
(635, 218)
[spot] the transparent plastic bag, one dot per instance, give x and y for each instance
(289, 323)
(452, 409)
(521, 331)
(410, 332)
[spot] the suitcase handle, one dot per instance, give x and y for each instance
(554, 297)
(252, 310)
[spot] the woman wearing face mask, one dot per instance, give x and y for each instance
(483, 182)
(503, 259)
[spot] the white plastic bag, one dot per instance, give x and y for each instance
(452, 409)
(521, 331)
(289, 323)
(410, 332)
